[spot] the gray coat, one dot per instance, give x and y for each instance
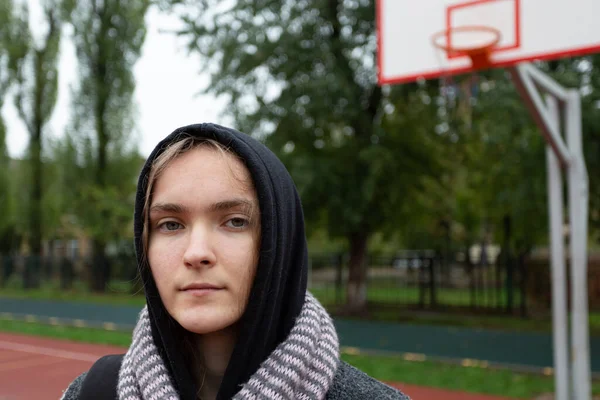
(349, 384)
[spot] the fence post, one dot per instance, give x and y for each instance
(339, 268)
(31, 274)
(7, 269)
(421, 275)
(432, 286)
(498, 283)
(509, 265)
(66, 274)
(471, 272)
(523, 280)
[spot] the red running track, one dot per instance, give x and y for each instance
(33, 368)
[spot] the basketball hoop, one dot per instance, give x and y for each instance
(479, 44)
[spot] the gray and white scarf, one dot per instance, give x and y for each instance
(301, 367)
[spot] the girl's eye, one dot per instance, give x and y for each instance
(237, 223)
(169, 226)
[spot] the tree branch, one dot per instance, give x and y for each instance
(374, 101)
(336, 45)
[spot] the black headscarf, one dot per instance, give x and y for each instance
(277, 294)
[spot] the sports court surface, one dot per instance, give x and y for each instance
(33, 368)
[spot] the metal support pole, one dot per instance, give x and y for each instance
(530, 81)
(525, 77)
(578, 213)
(559, 282)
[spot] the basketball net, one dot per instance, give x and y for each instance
(460, 94)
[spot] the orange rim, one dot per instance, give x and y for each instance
(448, 48)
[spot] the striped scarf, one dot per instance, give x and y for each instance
(301, 367)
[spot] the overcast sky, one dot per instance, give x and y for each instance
(167, 83)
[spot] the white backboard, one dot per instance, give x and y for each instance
(529, 30)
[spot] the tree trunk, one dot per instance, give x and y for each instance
(100, 267)
(357, 276)
(35, 211)
(100, 273)
(100, 264)
(31, 278)
(32, 268)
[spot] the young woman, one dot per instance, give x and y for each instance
(221, 248)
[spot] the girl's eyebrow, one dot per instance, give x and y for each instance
(247, 206)
(168, 208)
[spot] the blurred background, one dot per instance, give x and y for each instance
(425, 203)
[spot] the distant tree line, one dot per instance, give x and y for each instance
(440, 164)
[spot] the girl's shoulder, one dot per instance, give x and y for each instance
(350, 383)
(72, 392)
(100, 381)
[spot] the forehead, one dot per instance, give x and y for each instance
(205, 171)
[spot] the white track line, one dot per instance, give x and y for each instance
(25, 348)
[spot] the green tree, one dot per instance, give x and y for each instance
(6, 16)
(590, 83)
(34, 67)
(502, 153)
(108, 36)
(301, 75)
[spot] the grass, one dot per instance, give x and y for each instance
(86, 335)
(118, 294)
(500, 382)
(383, 367)
(386, 309)
(391, 293)
(380, 290)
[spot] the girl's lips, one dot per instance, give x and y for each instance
(200, 289)
(201, 292)
(200, 286)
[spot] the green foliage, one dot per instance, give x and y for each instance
(590, 83)
(509, 163)
(32, 63)
(6, 222)
(81, 206)
(108, 36)
(415, 162)
(301, 76)
(6, 24)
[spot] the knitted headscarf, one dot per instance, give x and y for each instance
(279, 289)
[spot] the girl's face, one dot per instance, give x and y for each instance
(204, 235)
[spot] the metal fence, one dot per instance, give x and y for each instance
(411, 279)
(65, 273)
(426, 280)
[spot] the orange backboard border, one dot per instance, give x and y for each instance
(382, 80)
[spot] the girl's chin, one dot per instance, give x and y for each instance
(204, 326)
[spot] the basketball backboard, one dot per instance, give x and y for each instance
(414, 37)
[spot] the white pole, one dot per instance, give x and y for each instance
(530, 81)
(559, 281)
(526, 79)
(578, 211)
